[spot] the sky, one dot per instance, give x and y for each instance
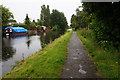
(20, 8)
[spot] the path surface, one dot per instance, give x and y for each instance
(78, 64)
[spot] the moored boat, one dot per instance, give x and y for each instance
(16, 31)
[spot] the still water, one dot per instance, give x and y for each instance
(15, 48)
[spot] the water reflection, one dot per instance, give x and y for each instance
(14, 47)
(7, 51)
(28, 43)
(48, 37)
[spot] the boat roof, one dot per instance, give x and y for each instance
(17, 29)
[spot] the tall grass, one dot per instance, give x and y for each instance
(105, 60)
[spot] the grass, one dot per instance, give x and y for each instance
(46, 63)
(105, 60)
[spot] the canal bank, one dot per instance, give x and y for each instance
(46, 63)
(15, 48)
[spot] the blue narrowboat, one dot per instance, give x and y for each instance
(16, 31)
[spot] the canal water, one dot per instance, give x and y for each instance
(16, 48)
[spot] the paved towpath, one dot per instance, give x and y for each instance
(78, 64)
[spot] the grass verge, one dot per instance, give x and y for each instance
(105, 60)
(46, 63)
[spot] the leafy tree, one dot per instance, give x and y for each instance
(81, 19)
(32, 24)
(34, 21)
(7, 16)
(27, 20)
(105, 21)
(74, 21)
(40, 22)
(58, 18)
(45, 15)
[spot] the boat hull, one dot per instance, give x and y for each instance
(16, 34)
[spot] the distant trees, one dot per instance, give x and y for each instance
(40, 22)
(58, 20)
(7, 16)
(103, 19)
(27, 20)
(81, 19)
(45, 15)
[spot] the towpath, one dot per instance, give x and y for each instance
(78, 64)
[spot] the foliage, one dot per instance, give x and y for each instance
(20, 25)
(45, 15)
(81, 19)
(40, 22)
(27, 20)
(47, 63)
(7, 16)
(105, 21)
(44, 45)
(32, 24)
(55, 28)
(105, 60)
(58, 18)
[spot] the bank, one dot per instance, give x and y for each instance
(46, 63)
(105, 60)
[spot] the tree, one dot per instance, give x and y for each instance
(32, 24)
(45, 15)
(105, 21)
(27, 20)
(81, 19)
(7, 16)
(58, 18)
(40, 22)
(73, 21)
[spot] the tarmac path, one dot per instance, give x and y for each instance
(78, 64)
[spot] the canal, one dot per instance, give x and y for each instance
(16, 48)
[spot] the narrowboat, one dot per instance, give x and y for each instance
(15, 31)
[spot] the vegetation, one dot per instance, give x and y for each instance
(27, 20)
(22, 25)
(101, 34)
(45, 15)
(104, 21)
(105, 60)
(58, 20)
(40, 22)
(81, 19)
(46, 63)
(7, 16)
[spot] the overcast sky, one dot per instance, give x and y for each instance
(19, 8)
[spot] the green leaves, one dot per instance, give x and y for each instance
(7, 16)
(58, 18)
(81, 19)
(27, 20)
(105, 21)
(45, 15)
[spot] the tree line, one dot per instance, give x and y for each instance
(56, 20)
(103, 18)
